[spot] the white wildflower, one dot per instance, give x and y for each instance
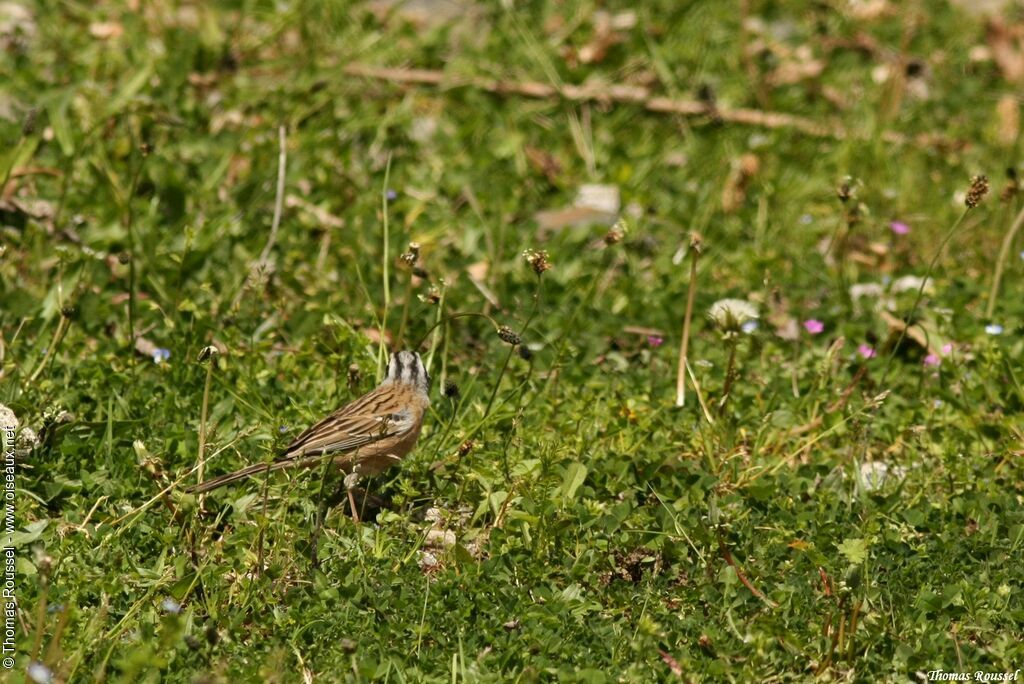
(874, 474)
(912, 284)
(39, 673)
(731, 314)
(866, 290)
(7, 418)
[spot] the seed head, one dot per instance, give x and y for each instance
(433, 295)
(729, 315)
(509, 336)
(208, 352)
(69, 311)
(616, 233)
(42, 560)
(845, 190)
(466, 447)
(28, 124)
(525, 353)
(451, 390)
(412, 256)
(977, 191)
(696, 242)
(538, 261)
(124, 257)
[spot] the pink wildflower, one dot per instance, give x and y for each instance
(814, 326)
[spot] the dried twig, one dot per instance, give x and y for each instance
(639, 95)
(727, 556)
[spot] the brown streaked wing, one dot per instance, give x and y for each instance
(357, 406)
(364, 421)
(345, 434)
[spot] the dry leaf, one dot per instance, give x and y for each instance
(1008, 119)
(916, 332)
(605, 36)
(594, 203)
(197, 80)
(478, 271)
(373, 334)
(837, 97)
(553, 219)
(478, 276)
(122, 297)
(786, 327)
(646, 332)
(983, 7)
(145, 347)
(600, 197)
(423, 128)
(16, 19)
(866, 10)
(791, 71)
(735, 191)
(544, 162)
(1007, 49)
(33, 207)
(321, 215)
(106, 30)
(230, 118)
(423, 13)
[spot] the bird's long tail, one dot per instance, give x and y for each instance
(249, 471)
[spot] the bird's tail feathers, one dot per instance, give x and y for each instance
(249, 471)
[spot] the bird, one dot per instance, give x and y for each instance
(363, 437)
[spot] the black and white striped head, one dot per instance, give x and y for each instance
(406, 367)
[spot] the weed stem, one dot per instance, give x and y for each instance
(920, 293)
(1004, 252)
(688, 316)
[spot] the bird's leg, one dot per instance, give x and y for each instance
(352, 505)
(349, 483)
(315, 541)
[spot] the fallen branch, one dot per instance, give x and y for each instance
(638, 95)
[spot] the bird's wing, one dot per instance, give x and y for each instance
(346, 431)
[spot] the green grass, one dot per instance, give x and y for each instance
(601, 533)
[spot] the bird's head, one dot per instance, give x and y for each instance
(406, 368)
